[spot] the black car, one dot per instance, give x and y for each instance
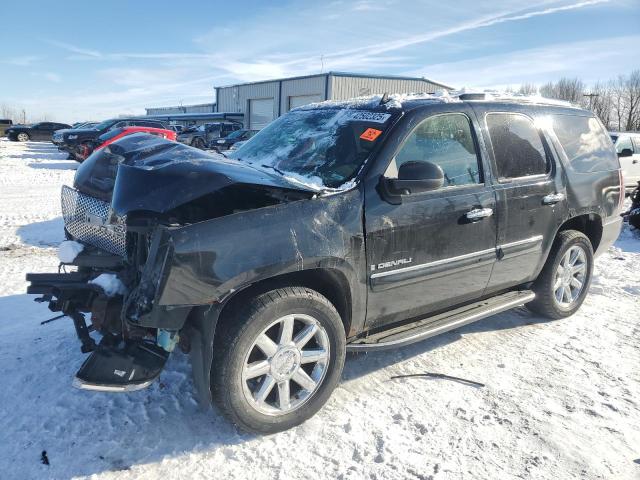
(37, 131)
(80, 142)
(5, 123)
(227, 142)
(338, 227)
(204, 135)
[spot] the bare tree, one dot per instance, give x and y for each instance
(631, 96)
(568, 89)
(601, 102)
(528, 89)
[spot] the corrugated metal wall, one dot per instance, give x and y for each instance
(235, 98)
(339, 87)
(343, 88)
(301, 86)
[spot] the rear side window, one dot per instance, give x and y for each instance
(586, 143)
(517, 146)
(624, 143)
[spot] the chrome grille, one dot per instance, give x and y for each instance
(86, 219)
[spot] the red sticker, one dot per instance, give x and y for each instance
(370, 134)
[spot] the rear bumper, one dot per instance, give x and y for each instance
(611, 228)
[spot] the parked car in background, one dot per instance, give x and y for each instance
(37, 132)
(84, 124)
(339, 227)
(236, 146)
(227, 142)
(628, 148)
(176, 128)
(204, 135)
(117, 133)
(78, 141)
(4, 124)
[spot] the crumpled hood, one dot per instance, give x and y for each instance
(142, 172)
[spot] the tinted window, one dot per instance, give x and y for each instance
(517, 146)
(586, 143)
(445, 140)
(142, 123)
(623, 143)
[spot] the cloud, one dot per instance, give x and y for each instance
(24, 61)
(591, 61)
(52, 77)
(85, 52)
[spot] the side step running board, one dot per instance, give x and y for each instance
(437, 324)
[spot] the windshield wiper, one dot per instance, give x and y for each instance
(273, 168)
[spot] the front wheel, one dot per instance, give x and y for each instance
(23, 137)
(564, 281)
(277, 360)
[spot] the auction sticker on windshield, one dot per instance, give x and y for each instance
(370, 134)
(364, 116)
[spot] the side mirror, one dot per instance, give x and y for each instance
(626, 152)
(416, 177)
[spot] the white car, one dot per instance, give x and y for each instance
(628, 148)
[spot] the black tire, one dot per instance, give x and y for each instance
(23, 137)
(198, 143)
(236, 336)
(546, 303)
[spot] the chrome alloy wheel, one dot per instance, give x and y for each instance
(286, 364)
(23, 137)
(571, 276)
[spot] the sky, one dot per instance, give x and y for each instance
(78, 60)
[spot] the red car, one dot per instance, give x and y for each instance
(117, 133)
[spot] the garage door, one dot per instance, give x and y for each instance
(260, 113)
(301, 100)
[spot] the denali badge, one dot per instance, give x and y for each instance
(392, 263)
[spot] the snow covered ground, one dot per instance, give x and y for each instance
(561, 401)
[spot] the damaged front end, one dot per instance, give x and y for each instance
(129, 203)
(118, 295)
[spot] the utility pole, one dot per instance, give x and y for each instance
(590, 95)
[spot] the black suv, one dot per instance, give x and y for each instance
(5, 123)
(338, 227)
(37, 131)
(80, 142)
(202, 136)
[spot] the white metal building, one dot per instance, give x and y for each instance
(262, 102)
(199, 108)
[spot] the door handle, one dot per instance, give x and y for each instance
(479, 213)
(635, 160)
(552, 198)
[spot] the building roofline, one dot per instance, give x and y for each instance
(197, 116)
(185, 106)
(341, 74)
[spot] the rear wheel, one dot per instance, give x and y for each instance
(564, 281)
(277, 360)
(23, 137)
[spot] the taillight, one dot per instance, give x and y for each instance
(621, 179)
